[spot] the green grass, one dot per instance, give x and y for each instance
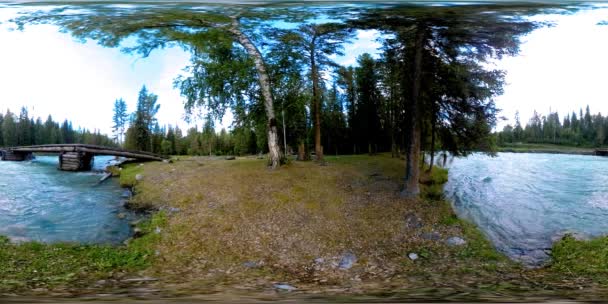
(128, 174)
(581, 258)
(34, 265)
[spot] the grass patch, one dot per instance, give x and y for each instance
(128, 174)
(34, 265)
(581, 258)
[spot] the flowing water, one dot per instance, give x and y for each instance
(523, 201)
(39, 202)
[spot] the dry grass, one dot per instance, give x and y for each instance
(234, 212)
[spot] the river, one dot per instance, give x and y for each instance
(522, 201)
(40, 203)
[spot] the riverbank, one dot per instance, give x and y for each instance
(546, 148)
(233, 228)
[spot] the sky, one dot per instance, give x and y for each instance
(560, 68)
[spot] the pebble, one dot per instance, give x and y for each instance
(455, 241)
(284, 287)
(413, 256)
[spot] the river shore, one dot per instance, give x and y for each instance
(236, 229)
(546, 148)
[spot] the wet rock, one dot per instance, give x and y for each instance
(348, 261)
(121, 216)
(455, 241)
(284, 287)
(576, 235)
(431, 236)
(412, 221)
(139, 177)
(137, 233)
(413, 256)
(135, 223)
(126, 194)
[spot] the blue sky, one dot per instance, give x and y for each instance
(560, 68)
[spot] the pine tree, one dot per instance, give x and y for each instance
(120, 119)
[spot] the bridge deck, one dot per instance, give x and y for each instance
(93, 149)
(601, 152)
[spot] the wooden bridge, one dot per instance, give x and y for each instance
(73, 157)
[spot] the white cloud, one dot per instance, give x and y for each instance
(562, 68)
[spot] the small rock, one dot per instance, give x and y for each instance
(230, 158)
(121, 216)
(412, 221)
(284, 287)
(167, 161)
(431, 236)
(173, 210)
(348, 260)
(144, 279)
(135, 223)
(413, 256)
(158, 230)
(250, 264)
(455, 241)
(319, 260)
(139, 177)
(137, 232)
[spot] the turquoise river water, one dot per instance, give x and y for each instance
(523, 202)
(40, 203)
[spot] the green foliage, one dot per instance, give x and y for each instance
(22, 130)
(432, 183)
(584, 130)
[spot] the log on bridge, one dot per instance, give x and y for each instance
(74, 157)
(601, 152)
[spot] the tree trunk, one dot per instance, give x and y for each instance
(433, 126)
(264, 80)
(413, 128)
(316, 100)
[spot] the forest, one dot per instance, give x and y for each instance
(429, 88)
(584, 129)
(23, 130)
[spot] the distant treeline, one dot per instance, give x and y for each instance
(23, 130)
(584, 129)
